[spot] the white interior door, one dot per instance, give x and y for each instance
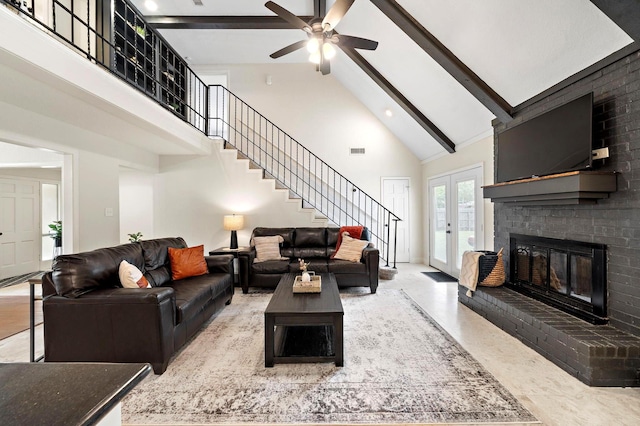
(19, 227)
(395, 197)
(455, 218)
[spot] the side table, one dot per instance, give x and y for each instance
(32, 322)
(236, 263)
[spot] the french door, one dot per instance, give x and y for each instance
(455, 218)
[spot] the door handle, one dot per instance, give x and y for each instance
(448, 232)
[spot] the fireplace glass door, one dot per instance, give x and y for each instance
(567, 274)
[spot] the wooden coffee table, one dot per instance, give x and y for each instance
(304, 327)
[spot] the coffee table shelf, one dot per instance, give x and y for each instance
(304, 327)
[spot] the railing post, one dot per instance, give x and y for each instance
(388, 225)
(206, 109)
(395, 240)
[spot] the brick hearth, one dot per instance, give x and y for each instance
(598, 355)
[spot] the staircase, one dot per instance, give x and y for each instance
(296, 169)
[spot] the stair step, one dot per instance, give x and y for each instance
(280, 185)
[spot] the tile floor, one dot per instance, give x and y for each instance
(552, 395)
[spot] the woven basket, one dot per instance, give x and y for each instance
(491, 269)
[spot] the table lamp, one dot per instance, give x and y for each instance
(233, 222)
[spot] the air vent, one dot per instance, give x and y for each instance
(198, 2)
(356, 151)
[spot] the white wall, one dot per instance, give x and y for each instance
(136, 203)
(325, 117)
(96, 188)
(192, 194)
(480, 152)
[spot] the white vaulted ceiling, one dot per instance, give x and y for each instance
(518, 47)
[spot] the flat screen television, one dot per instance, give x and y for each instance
(557, 141)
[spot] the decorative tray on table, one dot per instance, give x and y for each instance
(313, 286)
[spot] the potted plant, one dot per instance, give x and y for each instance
(56, 232)
(134, 238)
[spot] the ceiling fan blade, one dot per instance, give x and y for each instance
(325, 67)
(288, 16)
(354, 42)
(290, 48)
(336, 13)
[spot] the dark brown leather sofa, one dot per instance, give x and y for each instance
(89, 317)
(314, 245)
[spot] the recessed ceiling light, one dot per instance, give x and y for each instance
(151, 5)
(388, 112)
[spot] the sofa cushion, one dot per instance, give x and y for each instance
(192, 296)
(310, 237)
(187, 262)
(305, 252)
(316, 264)
(156, 258)
(337, 266)
(271, 267)
(76, 274)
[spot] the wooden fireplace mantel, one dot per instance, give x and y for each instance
(578, 187)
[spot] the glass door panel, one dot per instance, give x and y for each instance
(466, 218)
(440, 223)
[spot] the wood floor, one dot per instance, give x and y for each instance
(14, 309)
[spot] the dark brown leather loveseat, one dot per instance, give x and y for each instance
(314, 245)
(89, 317)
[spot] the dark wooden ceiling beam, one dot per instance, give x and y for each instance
(447, 60)
(400, 99)
(625, 13)
(320, 8)
(221, 22)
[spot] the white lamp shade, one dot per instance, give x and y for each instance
(233, 222)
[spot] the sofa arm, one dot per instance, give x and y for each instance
(111, 325)
(220, 263)
(245, 260)
(371, 258)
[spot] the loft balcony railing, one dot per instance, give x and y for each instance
(114, 35)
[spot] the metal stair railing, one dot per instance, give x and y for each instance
(306, 175)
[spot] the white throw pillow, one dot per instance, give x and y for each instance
(268, 248)
(131, 277)
(351, 249)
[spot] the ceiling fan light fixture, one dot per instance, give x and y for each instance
(328, 51)
(315, 57)
(313, 45)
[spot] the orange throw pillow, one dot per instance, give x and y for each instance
(187, 262)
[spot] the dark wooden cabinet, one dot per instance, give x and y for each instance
(135, 48)
(173, 77)
(142, 57)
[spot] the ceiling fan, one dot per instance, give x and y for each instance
(321, 36)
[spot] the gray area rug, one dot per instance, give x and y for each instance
(400, 367)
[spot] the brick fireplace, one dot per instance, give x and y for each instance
(604, 355)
